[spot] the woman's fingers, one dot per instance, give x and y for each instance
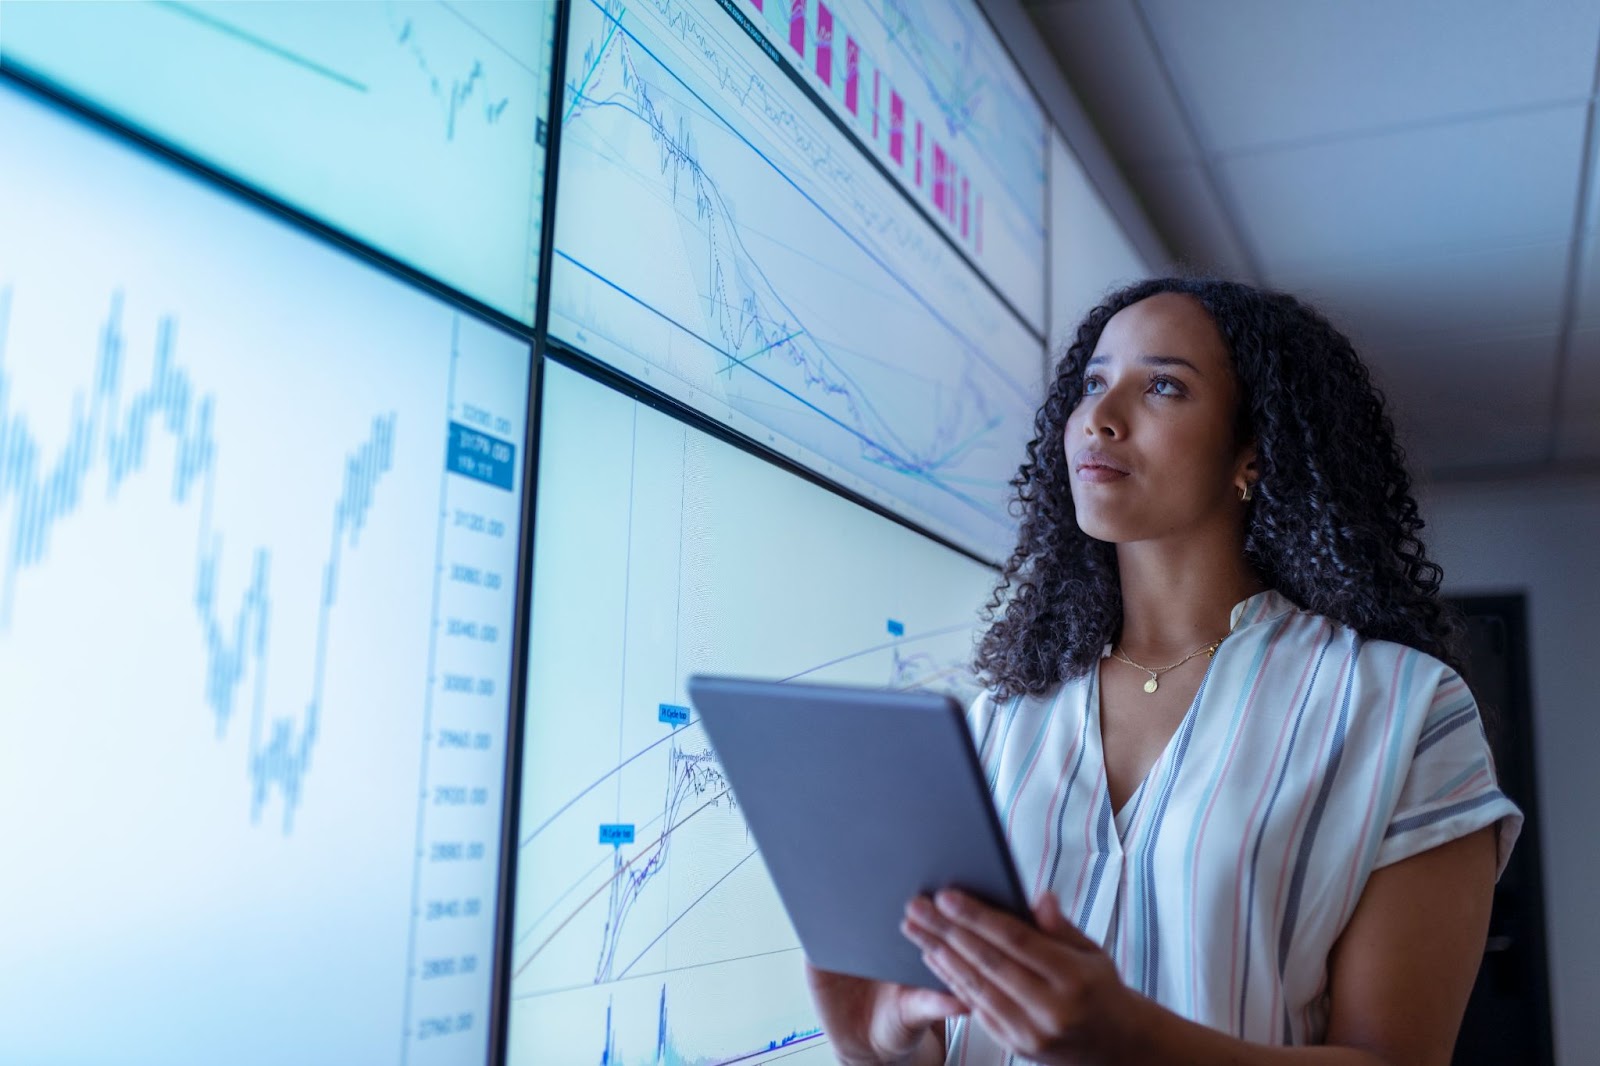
(1048, 914)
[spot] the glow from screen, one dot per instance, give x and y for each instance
(720, 239)
(929, 89)
(259, 515)
(418, 128)
(645, 928)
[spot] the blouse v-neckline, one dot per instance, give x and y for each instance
(1126, 818)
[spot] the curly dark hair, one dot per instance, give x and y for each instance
(1333, 527)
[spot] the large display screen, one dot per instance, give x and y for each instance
(720, 238)
(418, 128)
(259, 522)
(645, 928)
(929, 90)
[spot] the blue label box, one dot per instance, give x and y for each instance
(616, 834)
(475, 454)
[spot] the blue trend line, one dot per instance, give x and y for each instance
(595, 59)
(669, 737)
(691, 774)
(744, 361)
(111, 432)
(1023, 393)
(903, 465)
(684, 913)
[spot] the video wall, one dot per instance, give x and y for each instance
(399, 400)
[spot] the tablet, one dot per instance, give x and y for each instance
(859, 800)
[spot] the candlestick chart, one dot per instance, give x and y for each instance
(927, 89)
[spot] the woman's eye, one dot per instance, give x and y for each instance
(1092, 384)
(1166, 387)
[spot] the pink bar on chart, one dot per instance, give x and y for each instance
(875, 80)
(852, 74)
(756, 4)
(938, 177)
(797, 26)
(897, 128)
(825, 44)
(919, 153)
(965, 203)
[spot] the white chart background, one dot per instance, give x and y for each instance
(409, 125)
(147, 915)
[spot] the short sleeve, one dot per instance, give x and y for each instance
(1450, 787)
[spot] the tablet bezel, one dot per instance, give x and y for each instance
(845, 894)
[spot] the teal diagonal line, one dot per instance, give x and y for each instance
(742, 360)
(599, 54)
(229, 29)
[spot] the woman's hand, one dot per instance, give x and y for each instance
(1047, 993)
(873, 1021)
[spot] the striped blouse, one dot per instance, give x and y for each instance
(1309, 758)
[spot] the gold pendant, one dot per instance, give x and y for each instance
(1151, 685)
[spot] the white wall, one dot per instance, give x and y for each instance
(1089, 253)
(1542, 538)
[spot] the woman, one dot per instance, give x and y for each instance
(1225, 728)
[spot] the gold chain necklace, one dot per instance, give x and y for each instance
(1155, 672)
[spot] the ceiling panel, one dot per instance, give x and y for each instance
(1257, 72)
(1476, 406)
(1403, 303)
(1579, 439)
(1183, 208)
(1112, 68)
(1442, 188)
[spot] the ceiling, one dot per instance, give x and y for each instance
(1422, 171)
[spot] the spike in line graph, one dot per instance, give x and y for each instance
(692, 775)
(667, 1053)
(111, 435)
(471, 91)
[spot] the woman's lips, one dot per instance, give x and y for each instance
(1100, 475)
(1093, 466)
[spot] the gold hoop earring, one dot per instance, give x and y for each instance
(1247, 493)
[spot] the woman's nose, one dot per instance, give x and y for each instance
(1101, 419)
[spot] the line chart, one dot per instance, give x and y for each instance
(721, 240)
(259, 525)
(638, 882)
(112, 438)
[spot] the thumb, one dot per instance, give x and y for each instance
(924, 1006)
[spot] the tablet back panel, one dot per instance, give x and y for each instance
(859, 800)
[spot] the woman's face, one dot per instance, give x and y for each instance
(1151, 444)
